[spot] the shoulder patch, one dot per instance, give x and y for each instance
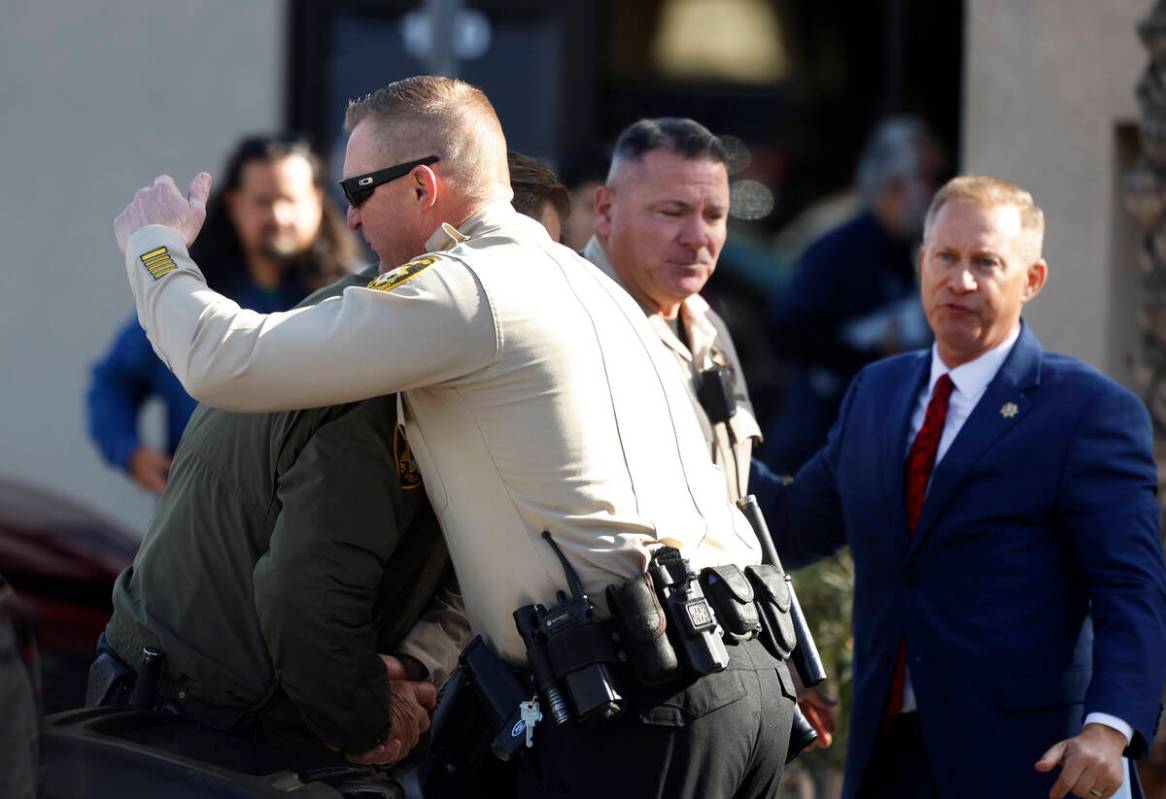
(407, 471)
(402, 274)
(158, 262)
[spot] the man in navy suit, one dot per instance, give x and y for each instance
(999, 502)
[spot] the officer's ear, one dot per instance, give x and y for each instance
(424, 186)
(1034, 279)
(604, 200)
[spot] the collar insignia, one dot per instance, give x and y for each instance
(455, 234)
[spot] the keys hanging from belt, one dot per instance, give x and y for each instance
(530, 715)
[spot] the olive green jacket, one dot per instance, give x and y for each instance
(287, 551)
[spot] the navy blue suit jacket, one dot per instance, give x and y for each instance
(1033, 591)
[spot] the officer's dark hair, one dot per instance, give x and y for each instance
(681, 135)
(268, 148)
(218, 251)
(534, 185)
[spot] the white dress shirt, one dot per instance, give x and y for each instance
(970, 381)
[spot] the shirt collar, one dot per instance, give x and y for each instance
(492, 215)
(972, 378)
(595, 253)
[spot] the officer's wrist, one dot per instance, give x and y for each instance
(415, 670)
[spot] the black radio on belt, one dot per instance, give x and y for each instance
(716, 395)
(690, 618)
(529, 621)
(566, 646)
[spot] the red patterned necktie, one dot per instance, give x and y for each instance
(920, 463)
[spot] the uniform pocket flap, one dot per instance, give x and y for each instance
(1032, 691)
(731, 579)
(671, 707)
(770, 584)
(788, 689)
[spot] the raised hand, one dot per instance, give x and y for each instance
(163, 204)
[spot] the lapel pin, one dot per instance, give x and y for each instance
(1009, 409)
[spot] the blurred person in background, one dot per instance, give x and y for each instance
(583, 174)
(853, 297)
(539, 194)
(271, 237)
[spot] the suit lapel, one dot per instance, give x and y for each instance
(1004, 406)
(895, 439)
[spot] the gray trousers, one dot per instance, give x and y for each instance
(722, 735)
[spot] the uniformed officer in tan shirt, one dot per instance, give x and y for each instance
(535, 395)
(660, 225)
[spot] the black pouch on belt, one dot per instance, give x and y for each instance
(773, 602)
(643, 630)
(727, 588)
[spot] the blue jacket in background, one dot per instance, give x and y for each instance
(130, 374)
(852, 293)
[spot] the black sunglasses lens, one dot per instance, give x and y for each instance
(355, 194)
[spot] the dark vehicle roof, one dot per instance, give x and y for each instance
(115, 753)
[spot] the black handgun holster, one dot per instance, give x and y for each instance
(111, 681)
(462, 731)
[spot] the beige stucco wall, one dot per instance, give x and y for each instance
(1046, 85)
(96, 99)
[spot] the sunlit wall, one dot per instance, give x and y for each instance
(96, 99)
(1049, 89)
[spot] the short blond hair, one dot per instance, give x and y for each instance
(989, 191)
(432, 115)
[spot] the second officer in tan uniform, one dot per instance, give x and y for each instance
(660, 226)
(535, 396)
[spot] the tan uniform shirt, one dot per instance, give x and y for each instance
(536, 397)
(709, 344)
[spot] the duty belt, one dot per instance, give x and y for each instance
(667, 623)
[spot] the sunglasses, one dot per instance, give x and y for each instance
(360, 188)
